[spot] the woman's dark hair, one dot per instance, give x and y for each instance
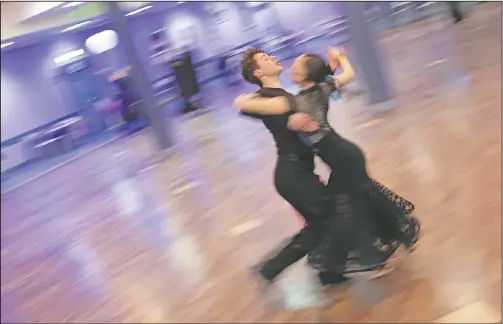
(317, 71)
(316, 68)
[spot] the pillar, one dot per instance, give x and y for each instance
(150, 107)
(386, 11)
(369, 59)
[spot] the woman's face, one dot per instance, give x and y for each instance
(298, 70)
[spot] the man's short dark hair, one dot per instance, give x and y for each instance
(249, 65)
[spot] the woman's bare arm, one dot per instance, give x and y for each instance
(333, 59)
(347, 75)
(339, 81)
(263, 106)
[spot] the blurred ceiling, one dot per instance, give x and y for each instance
(21, 18)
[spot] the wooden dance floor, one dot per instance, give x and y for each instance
(116, 236)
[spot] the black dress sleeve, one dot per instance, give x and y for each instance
(329, 86)
(292, 104)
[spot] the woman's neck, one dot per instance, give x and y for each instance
(307, 85)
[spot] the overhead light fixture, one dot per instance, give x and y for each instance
(134, 12)
(68, 56)
(102, 41)
(255, 4)
(76, 26)
(4, 45)
(72, 4)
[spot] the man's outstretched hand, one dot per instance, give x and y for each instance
(302, 122)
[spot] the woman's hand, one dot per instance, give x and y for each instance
(302, 122)
(241, 100)
(348, 73)
(334, 54)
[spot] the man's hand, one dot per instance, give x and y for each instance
(302, 122)
(241, 100)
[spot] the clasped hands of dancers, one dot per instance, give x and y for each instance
(353, 223)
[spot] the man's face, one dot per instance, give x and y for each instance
(267, 65)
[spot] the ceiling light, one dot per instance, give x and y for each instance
(4, 45)
(134, 12)
(102, 41)
(255, 4)
(68, 56)
(72, 4)
(76, 26)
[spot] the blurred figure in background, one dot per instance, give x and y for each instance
(181, 63)
(455, 10)
(126, 94)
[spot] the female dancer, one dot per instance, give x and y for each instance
(354, 228)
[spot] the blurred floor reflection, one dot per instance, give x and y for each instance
(113, 237)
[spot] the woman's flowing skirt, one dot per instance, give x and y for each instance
(383, 249)
(371, 221)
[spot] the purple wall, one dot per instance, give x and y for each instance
(298, 16)
(140, 28)
(31, 97)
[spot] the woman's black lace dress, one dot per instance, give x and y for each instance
(356, 240)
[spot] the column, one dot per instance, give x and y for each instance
(150, 108)
(385, 11)
(369, 59)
